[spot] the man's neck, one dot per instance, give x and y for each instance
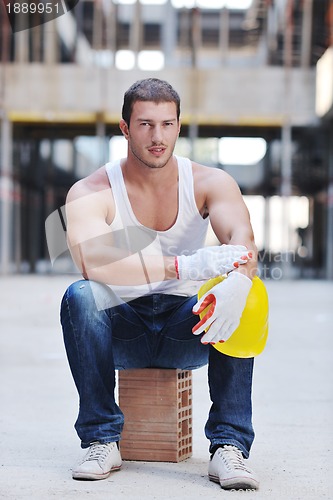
(138, 173)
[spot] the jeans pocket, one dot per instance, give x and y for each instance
(131, 348)
(131, 353)
(127, 326)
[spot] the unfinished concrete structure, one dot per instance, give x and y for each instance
(262, 71)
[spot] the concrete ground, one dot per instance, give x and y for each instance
(293, 405)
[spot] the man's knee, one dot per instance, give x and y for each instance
(86, 294)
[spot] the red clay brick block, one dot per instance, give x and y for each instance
(157, 404)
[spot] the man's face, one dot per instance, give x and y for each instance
(153, 132)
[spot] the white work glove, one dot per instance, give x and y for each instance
(209, 262)
(227, 301)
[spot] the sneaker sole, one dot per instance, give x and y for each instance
(236, 483)
(94, 477)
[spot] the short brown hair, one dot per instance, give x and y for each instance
(149, 89)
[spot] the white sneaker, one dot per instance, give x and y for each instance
(98, 462)
(227, 467)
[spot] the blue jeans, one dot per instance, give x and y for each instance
(151, 331)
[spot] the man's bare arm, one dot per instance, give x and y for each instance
(132, 255)
(91, 243)
(230, 218)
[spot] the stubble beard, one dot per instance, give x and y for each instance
(150, 164)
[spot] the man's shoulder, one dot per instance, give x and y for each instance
(95, 183)
(210, 175)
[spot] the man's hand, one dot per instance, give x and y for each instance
(210, 262)
(227, 301)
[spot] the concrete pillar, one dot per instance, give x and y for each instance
(103, 149)
(224, 34)
(111, 29)
(50, 42)
(306, 33)
(267, 224)
(169, 34)
(272, 22)
(286, 137)
(6, 193)
(184, 33)
(36, 34)
(21, 46)
(136, 30)
(286, 187)
(97, 35)
(193, 136)
(196, 39)
(329, 218)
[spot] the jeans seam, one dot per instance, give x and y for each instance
(74, 332)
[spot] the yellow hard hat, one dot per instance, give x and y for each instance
(249, 339)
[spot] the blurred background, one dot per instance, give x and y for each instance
(256, 83)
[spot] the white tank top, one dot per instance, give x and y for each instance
(187, 234)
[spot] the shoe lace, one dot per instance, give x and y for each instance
(233, 458)
(98, 451)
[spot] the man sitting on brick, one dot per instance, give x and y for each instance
(137, 230)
